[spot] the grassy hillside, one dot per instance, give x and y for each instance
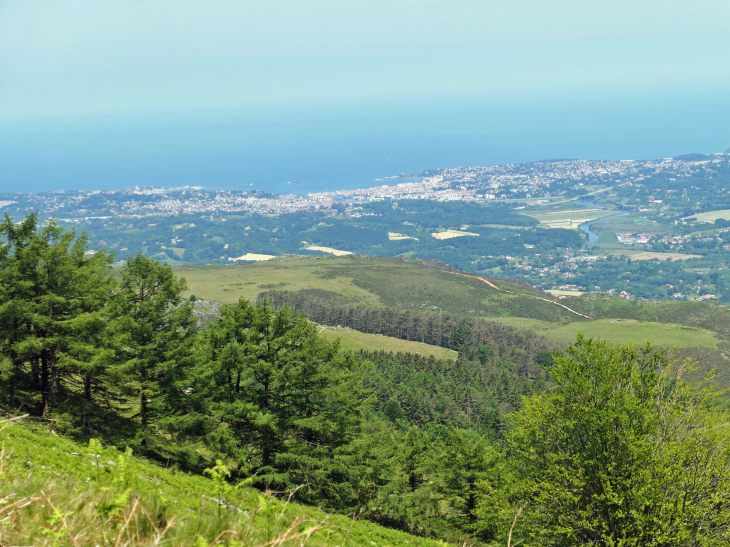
(618, 330)
(54, 491)
(710, 315)
(355, 341)
(228, 283)
(432, 287)
(703, 328)
(392, 282)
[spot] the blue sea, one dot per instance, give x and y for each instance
(347, 147)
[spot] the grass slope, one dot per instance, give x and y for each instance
(391, 282)
(619, 330)
(702, 328)
(354, 340)
(54, 491)
(228, 283)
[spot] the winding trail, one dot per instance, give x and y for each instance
(527, 295)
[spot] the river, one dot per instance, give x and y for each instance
(586, 227)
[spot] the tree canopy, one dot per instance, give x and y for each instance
(623, 451)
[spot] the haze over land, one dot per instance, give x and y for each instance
(334, 274)
(166, 94)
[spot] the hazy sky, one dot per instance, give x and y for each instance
(79, 58)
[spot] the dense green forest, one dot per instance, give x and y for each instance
(509, 444)
(438, 329)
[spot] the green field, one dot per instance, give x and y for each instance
(618, 330)
(630, 330)
(607, 229)
(229, 283)
(354, 340)
(536, 325)
(608, 244)
(567, 217)
(711, 216)
(506, 226)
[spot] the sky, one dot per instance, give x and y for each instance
(85, 59)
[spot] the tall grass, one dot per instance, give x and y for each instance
(56, 515)
(54, 492)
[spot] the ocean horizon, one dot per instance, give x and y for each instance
(341, 148)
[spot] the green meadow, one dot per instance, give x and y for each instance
(355, 341)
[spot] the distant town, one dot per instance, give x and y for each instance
(635, 228)
(533, 183)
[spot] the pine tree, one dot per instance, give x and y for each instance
(13, 327)
(53, 292)
(152, 327)
(471, 461)
(393, 411)
(408, 498)
(277, 401)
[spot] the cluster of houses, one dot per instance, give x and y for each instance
(633, 239)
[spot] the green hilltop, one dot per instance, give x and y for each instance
(403, 283)
(432, 287)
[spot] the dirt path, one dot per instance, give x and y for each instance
(527, 295)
